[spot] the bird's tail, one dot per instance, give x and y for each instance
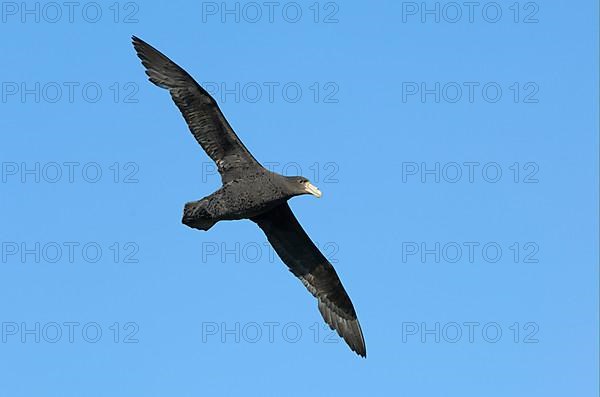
(196, 216)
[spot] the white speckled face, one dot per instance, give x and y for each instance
(312, 189)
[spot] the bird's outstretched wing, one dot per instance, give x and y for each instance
(201, 112)
(306, 262)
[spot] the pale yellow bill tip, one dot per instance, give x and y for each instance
(312, 189)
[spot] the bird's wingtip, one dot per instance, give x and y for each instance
(136, 41)
(361, 350)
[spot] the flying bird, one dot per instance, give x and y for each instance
(252, 192)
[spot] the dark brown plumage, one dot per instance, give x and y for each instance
(252, 192)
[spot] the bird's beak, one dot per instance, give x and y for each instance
(312, 189)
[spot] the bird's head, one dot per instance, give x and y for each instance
(300, 185)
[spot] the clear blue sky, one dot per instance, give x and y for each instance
(456, 147)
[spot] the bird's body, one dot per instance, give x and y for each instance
(252, 192)
(242, 198)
